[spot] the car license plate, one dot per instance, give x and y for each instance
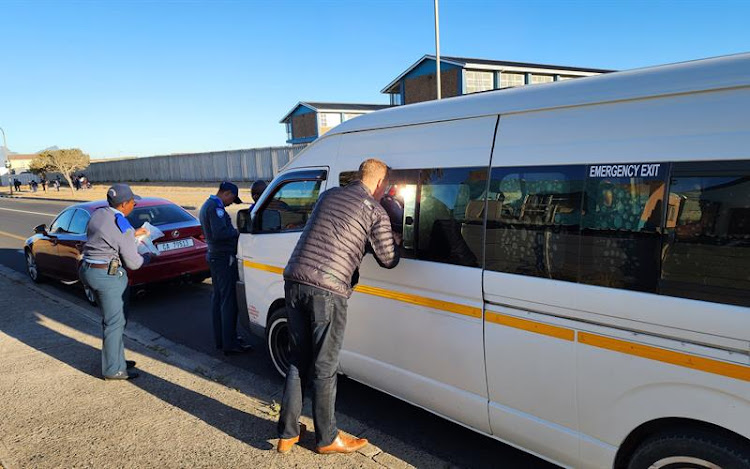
(172, 245)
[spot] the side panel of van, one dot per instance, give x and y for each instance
(416, 331)
(613, 366)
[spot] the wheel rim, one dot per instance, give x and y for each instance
(31, 266)
(279, 345)
(683, 462)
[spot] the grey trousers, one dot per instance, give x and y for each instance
(111, 295)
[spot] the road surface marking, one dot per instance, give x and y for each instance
(11, 235)
(28, 211)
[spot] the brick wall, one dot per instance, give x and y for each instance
(304, 125)
(423, 88)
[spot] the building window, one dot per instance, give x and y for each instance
(535, 79)
(478, 81)
(707, 254)
(509, 79)
(328, 120)
(396, 99)
(289, 131)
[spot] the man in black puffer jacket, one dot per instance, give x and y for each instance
(346, 222)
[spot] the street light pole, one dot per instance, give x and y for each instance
(7, 160)
(437, 47)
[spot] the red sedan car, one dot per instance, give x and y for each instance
(55, 252)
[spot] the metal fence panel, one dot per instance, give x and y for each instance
(236, 165)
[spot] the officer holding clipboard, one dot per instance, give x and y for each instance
(110, 245)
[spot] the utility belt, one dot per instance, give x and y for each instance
(111, 267)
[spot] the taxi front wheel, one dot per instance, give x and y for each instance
(693, 449)
(277, 340)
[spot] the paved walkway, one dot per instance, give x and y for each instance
(185, 410)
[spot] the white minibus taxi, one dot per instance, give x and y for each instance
(575, 273)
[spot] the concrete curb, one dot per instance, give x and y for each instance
(45, 199)
(263, 393)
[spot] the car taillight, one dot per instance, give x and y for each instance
(201, 238)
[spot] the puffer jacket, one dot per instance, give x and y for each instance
(344, 221)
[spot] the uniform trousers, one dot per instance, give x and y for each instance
(224, 299)
(111, 292)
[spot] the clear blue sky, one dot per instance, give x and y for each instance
(144, 78)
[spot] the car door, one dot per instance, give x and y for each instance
(70, 245)
(45, 249)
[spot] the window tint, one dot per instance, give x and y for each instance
(289, 208)
(450, 216)
(158, 215)
(61, 223)
(621, 226)
(79, 222)
(533, 217)
(438, 211)
(707, 256)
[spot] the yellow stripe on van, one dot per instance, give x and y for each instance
(265, 267)
(531, 326)
(708, 365)
(457, 308)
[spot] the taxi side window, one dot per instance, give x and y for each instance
(707, 253)
(62, 222)
(289, 207)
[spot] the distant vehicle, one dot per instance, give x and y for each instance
(56, 252)
(575, 272)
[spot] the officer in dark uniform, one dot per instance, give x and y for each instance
(110, 244)
(222, 238)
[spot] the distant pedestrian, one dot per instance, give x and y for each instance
(319, 278)
(33, 185)
(44, 184)
(222, 238)
(76, 183)
(57, 183)
(110, 244)
(17, 184)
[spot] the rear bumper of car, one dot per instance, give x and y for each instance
(165, 269)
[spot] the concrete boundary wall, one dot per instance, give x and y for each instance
(234, 165)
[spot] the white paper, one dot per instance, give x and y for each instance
(146, 242)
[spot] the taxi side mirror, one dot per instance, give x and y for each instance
(243, 221)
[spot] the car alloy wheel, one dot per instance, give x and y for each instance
(31, 267)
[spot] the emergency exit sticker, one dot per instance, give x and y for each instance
(642, 170)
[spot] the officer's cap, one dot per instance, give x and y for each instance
(228, 186)
(120, 193)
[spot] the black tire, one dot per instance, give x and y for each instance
(277, 341)
(691, 449)
(31, 267)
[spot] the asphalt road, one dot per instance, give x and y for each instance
(181, 314)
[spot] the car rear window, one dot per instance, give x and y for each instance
(158, 215)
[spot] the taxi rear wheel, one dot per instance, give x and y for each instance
(32, 268)
(277, 341)
(691, 449)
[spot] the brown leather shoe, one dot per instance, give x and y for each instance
(285, 444)
(343, 444)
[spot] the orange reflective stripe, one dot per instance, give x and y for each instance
(708, 365)
(448, 306)
(531, 326)
(265, 267)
